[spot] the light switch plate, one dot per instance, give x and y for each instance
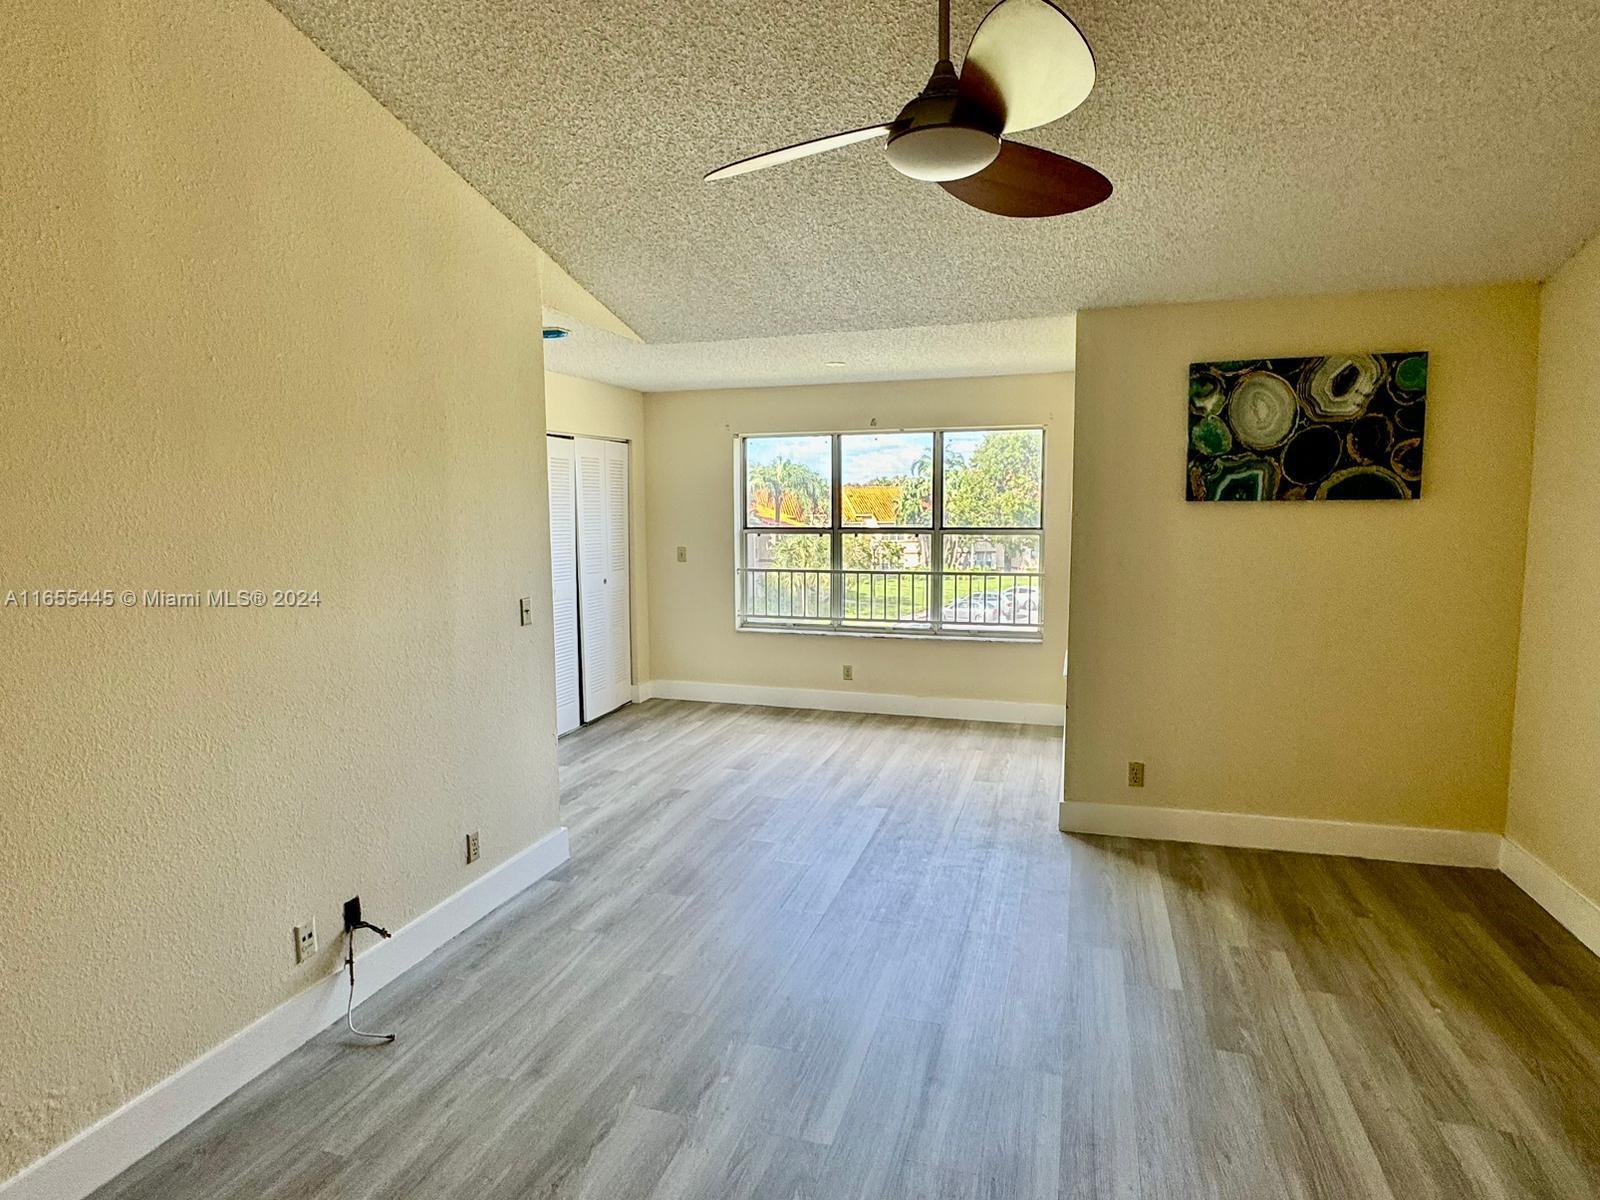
(525, 610)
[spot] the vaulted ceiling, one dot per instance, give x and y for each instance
(1276, 147)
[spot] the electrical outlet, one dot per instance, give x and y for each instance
(849, 672)
(683, 554)
(472, 846)
(305, 941)
(1136, 774)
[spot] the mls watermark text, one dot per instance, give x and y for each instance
(126, 597)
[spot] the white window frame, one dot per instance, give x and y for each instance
(836, 624)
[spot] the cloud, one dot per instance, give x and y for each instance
(883, 455)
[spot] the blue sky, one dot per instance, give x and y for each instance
(961, 445)
(813, 452)
(881, 455)
(863, 456)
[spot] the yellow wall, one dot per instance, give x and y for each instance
(689, 448)
(1555, 754)
(1349, 661)
(591, 409)
(567, 302)
(255, 335)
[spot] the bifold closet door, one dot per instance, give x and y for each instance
(564, 578)
(603, 634)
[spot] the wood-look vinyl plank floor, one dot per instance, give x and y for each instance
(808, 955)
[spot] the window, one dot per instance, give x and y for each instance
(912, 532)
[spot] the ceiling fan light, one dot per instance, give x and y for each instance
(940, 152)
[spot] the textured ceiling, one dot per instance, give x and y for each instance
(1021, 347)
(1277, 147)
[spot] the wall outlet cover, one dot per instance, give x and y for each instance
(1135, 774)
(683, 554)
(305, 941)
(849, 671)
(472, 846)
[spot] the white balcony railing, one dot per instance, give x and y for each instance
(958, 601)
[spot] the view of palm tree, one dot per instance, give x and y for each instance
(788, 481)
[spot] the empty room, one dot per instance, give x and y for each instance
(994, 600)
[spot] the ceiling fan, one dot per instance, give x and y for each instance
(1028, 65)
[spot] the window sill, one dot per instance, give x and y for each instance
(987, 639)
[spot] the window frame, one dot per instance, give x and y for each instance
(837, 624)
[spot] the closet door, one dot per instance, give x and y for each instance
(602, 585)
(564, 579)
(618, 635)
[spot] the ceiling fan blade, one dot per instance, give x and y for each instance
(1026, 181)
(772, 158)
(1028, 64)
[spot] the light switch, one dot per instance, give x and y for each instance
(525, 610)
(683, 554)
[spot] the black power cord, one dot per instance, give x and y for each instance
(353, 922)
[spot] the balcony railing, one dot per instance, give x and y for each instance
(958, 601)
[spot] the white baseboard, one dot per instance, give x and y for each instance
(114, 1143)
(1577, 912)
(1394, 843)
(644, 691)
(1012, 712)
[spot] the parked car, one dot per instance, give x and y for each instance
(975, 609)
(1020, 604)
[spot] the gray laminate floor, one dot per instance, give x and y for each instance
(812, 955)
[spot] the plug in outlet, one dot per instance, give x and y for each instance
(1136, 774)
(849, 672)
(472, 847)
(305, 941)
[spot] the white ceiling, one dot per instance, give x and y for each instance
(1023, 347)
(1266, 148)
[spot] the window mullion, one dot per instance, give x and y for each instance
(741, 521)
(936, 598)
(836, 542)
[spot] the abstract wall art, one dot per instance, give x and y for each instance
(1335, 427)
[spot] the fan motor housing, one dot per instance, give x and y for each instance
(940, 136)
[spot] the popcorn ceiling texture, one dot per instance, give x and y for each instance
(1273, 148)
(1031, 346)
(256, 335)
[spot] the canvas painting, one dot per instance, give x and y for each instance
(1334, 427)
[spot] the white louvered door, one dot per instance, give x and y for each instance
(564, 579)
(606, 652)
(618, 637)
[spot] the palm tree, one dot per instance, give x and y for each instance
(784, 477)
(916, 492)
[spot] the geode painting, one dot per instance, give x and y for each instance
(1336, 427)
